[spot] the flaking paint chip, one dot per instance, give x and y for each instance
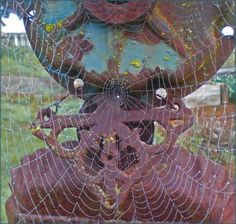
(49, 27)
(166, 58)
(136, 63)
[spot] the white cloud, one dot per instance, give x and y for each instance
(13, 24)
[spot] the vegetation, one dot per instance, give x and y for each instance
(194, 143)
(230, 81)
(221, 155)
(15, 61)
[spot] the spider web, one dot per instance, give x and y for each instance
(192, 182)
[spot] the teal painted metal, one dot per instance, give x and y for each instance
(54, 12)
(103, 38)
(161, 54)
(143, 42)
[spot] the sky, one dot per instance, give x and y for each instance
(13, 24)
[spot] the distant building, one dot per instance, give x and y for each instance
(14, 39)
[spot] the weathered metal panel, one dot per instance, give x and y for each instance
(136, 42)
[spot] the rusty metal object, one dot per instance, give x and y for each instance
(91, 40)
(113, 124)
(53, 180)
(107, 134)
(123, 12)
(113, 162)
(64, 182)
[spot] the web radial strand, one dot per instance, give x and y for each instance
(123, 75)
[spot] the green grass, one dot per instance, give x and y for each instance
(16, 61)
(194, 144)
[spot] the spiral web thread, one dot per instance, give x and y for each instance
(212, 136)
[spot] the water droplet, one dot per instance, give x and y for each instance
(78, 83)
(228, 31)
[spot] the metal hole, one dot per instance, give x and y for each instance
(175, 107)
